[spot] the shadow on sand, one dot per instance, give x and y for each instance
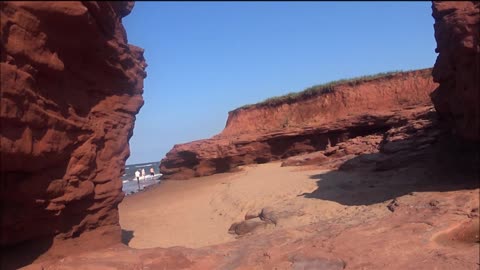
(127, 236)
(373, 178)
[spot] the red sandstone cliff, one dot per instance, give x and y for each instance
(457, 69)
(385, 93)
(264, 132)
(71, 86)
(425, 230)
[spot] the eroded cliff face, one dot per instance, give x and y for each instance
(71, 86)
(429, 188)
(457, 69)
(265, 133)
(391, 92)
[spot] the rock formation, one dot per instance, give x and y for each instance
(71, 86)
(264, 132)
(457, 69)
(407, 206)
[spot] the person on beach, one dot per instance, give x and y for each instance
(137, 175)
(143, 173)
(152, 172)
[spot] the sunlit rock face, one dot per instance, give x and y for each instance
(71, 86)
(267, 132)
(457, 69)
(67, 111)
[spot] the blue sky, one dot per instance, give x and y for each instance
(208, 58)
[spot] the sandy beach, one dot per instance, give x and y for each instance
(370, 211)
(199, 212)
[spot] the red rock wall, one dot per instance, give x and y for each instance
(261, 134)
(382, 94)
(71, 86)
(457, 69)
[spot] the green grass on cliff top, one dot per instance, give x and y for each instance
(328, 87)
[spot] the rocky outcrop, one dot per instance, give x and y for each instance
(255, 220)
(457, 69)
(418, 133)
(263, 132)
(355, 97)
(71, 86)
(67, 111)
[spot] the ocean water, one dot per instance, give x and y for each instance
(130, 184)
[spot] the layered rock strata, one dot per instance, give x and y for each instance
(56, 143)
(71, 86)
(264, 133)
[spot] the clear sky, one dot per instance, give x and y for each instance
(208, 58)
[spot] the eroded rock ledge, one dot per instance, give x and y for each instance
(71, 86)
(261, 134)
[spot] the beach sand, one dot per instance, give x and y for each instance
(199, 212)
(416, 214)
